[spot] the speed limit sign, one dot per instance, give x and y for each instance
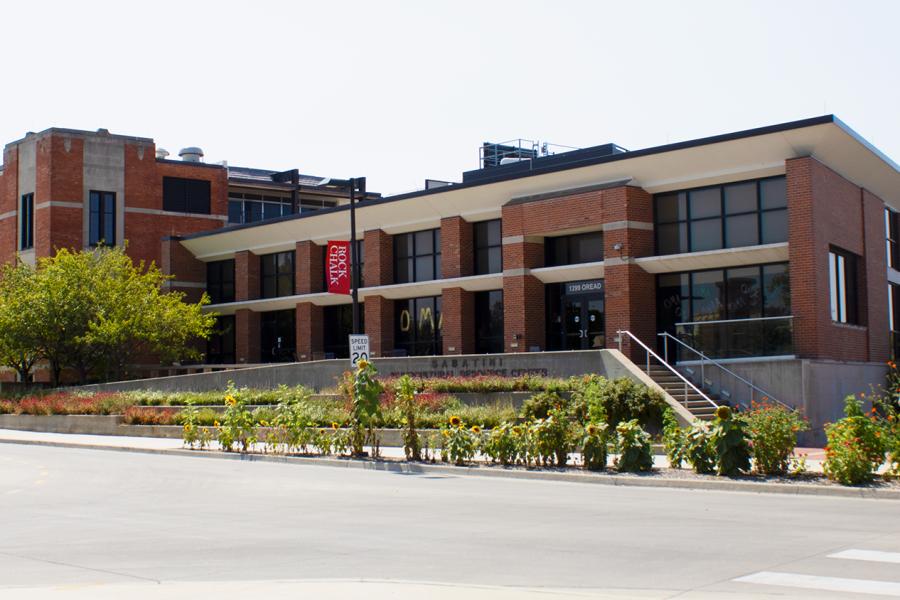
(359, 348)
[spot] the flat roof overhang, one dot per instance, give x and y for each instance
(742, 155)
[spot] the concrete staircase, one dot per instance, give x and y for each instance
(688, 398)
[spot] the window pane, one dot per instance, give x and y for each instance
(706, 203)
(708, 296)
(773, 193)
(672, 239)
(586, 248)
(403, 270)
(740, 198)
(424, 242)
(252, 212)
(271, 210)
(744, 295)
(235, 210)
(776, 290)
(495, 260)
(671, 207)
(774, 226)
(403, 245)
(673, 300)
(742, 230)
(425, 268)
(706, 235)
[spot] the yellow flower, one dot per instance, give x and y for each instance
(188, 427)
(263, 423)
(335, 426)
(455, 421)
(362, 364)
(476, 429)
(517, 430)
(592, 429)
(216, 423)
(230, 400)
(445, 433)
(723, 412)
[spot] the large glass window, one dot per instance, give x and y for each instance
(892, 236)
(489, 322)
(418, 323)
(725, 216)
(338, 322)
(26, 237)
(220, 346)
(728, 312)
(488, 247)
(278, 336)
(894, 319)
(573, 249)
(843, 287)
(102, 228)
(276, 274)
(417, 256)
(220, 281)
(186, 195)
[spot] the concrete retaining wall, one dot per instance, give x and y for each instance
(323, 374)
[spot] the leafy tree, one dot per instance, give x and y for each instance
(95, 311)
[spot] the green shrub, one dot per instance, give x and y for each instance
(237, 423)
(700, 450)
(595, 446)
(633, 446)
(540, 405)
(458, 443)
(773, 430)
(553, 438)
(621, 400)
(406, 401)
(674, 439)
(856, 446)
(501, 444)
(730, 439)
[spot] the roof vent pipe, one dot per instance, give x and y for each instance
(161, 153)
(191, 154)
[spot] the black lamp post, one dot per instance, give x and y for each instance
(356, 185)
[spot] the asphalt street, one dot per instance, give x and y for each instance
(100, 524)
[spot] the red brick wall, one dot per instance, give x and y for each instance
(309, 268)
(246, 276)
(310, 330)
(176, 260)
(457, 248)
(378, 268)
(9, 193)
(824, 210)
(379, 319)
(458, 316)
(59, 178)
(247, 336)
(523, 313)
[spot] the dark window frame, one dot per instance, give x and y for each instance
(178, 195)
(488, 249)
(485, 342)
(220, 281)
(723, 216)
(892, 238)
(269, 322)
(415, 255)
(223, 335)
(552, 249)
(26, 233)
(104, 215)
(269, 271)
(843, 286)
(414, 346)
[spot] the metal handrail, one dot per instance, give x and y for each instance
(687, 382)
(667, 336)
(751, 319)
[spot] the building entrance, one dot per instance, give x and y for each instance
(576, 315)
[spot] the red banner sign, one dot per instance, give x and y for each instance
(337, 266)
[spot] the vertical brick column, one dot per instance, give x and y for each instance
(630, 291)
(458, 316)
(310, 331)
(246, 276)
(309, 269)
(379, 322)
(246, 336)
(804, 277)
(9, 202)
(875, 266)
(457, 248)
(524, 318)
(176, 260)
(378, 268)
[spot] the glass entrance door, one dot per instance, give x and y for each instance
(583, 318)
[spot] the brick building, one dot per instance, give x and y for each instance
(764, 248)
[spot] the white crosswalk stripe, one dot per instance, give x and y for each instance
(817, 582)
(871, 555)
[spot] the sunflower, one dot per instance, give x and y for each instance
(335, 426)
(723, 412)
(230, 400)
(592, 429)
(445, 433)
(362, 364)
(517, 430)
(476, 429)
(215, 423)
(455, 421)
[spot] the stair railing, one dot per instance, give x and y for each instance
(688, 385)
(755, 390)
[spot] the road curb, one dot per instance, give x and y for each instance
(400, 466)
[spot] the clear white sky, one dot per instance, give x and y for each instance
(403, 90)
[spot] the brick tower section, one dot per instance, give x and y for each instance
(378, 269)
(630, 291)
(824, 211)
(457, 248)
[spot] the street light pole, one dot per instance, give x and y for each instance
(354, 251)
